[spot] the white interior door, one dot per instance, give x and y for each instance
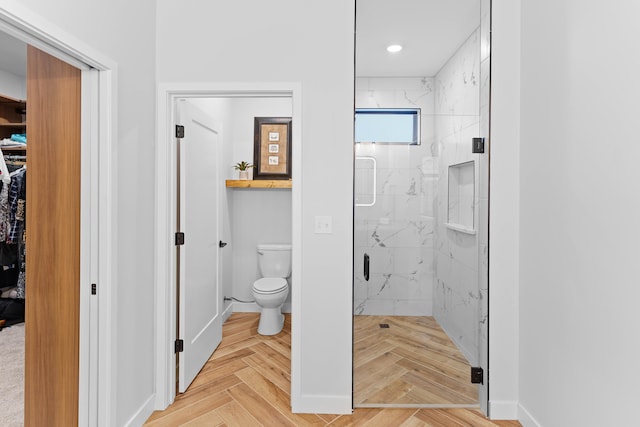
(200, 295)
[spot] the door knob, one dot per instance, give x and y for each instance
(222, 244)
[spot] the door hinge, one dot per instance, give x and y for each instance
(477, 375)
(179, 346)
(179, 238)
(478, 145)
(179, 131)
(94, 289)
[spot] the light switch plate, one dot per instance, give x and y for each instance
(324, 225)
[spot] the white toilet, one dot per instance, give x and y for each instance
(270, 292)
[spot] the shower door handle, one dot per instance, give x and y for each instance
(366, 267)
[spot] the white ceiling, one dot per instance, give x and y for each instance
(13, 55)
(430, 32)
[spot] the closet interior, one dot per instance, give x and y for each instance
(13, 289)
(13, 173)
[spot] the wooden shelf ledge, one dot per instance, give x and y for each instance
(13, 148)
(258, 183)
(6, 99)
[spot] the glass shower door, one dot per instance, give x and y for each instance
(420, 282)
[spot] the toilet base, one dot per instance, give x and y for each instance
(271, 321)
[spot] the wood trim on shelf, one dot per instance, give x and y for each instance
(6, 99)
(259, 183)
(13, 148)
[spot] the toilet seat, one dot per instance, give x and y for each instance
(270, 285)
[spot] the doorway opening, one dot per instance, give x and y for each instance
(248, 216)
(421, 207)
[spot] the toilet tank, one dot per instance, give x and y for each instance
(274, 260)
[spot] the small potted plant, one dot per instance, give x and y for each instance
(243, 169)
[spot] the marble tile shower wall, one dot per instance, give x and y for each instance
(398, 231)
(456, 294)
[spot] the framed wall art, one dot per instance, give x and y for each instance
(272, 148)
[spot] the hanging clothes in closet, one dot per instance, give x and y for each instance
(16, 236)
(13, 180)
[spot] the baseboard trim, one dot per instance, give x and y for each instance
(252, 307)
(503, 410)
(143, 413)
(526, 419)
(245, 307)
(416, 405)
(321, 404)
(227, 313)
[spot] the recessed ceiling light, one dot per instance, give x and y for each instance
(394, 48)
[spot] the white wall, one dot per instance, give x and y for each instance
(13, 85)
(397, 232)
(125, 32)
(244, 110)
(504, 209)
(579, 177)
(258, 216)
(289, 41)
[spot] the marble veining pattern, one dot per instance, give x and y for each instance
(398, 231)
(456, 292)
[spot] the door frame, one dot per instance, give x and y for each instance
(96, 335)
(165, 258)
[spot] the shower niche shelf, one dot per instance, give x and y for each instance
(461, 198)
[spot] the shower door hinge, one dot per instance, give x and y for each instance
(179, 131)
(477, 375)
(179, 346)
(478, 145)
(179, 238)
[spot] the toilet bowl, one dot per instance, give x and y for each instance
(270, 294)
(271, 291)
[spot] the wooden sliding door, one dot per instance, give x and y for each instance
(53, 241)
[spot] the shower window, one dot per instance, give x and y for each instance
(388, 125)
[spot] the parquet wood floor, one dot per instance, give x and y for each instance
(413, 362)
(247, 383)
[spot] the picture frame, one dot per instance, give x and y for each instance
(272, 148)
